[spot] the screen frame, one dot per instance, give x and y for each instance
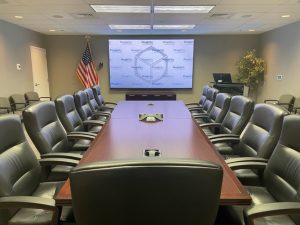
(149, 89)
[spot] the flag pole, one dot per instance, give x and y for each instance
(88, 38)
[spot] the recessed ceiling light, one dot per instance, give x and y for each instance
(122, 8)
(251, 30)
(183, 9)
(286, 16)
(52, 30)
(19, 17)
(129, 27)
(179, 27)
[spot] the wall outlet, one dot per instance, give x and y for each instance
(19, 67)
(279, 77)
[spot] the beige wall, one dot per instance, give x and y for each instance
(15, 48)
(281, 50)
(213, 53)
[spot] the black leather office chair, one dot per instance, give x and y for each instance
(4, 106)
(208, 104)
(258, 139)
(237, 117)
(286, 101)
(85, 111)
(33, 97)
(17, 102)
(277, 201)
(104, 105)
(296, 106)
(24, 199)
(201, 100)
(51, 139)
(218, 111)
(70, 119)
(146, 192)
(93, 103)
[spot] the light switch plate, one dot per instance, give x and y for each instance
(279, 77)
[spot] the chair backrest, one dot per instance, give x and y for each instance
(146, 192)
(203, 96)
(220, 108)
(4, 105)
(97, 94)
(82, 105)
(210, 99)
(296, 107)
(281, 176)
(238, 115)
(20, 171)
(93, 103)
(31, 97)
(262, 132)
(67, 113)
(17, 101)
(44, 128)
(287, 100)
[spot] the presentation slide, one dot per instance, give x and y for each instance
(150, 64)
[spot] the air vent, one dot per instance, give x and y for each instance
(220, 16)
(83, 15)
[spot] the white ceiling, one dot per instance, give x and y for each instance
(242, 16)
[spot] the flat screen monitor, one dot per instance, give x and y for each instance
(222, 77)
(151, 64)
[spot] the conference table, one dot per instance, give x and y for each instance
(177, 136)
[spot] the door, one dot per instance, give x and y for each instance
(39, 71)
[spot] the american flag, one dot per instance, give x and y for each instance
(86, 70)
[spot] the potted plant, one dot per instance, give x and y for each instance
(251, 71)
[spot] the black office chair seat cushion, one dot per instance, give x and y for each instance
(200, 121)
(94, 129)
(224, 149)
(260, 195)
(59, 173)
(248, 177)
(37, 216)
(208, 131)
(81, 145)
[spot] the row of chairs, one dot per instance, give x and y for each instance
(61, 131)
(18, 102)
(260, 143)
(287, 101)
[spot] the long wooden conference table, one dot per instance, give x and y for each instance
(125, 137)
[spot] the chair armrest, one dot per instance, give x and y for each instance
(84, 133)
(32, 202)
(58, 161)
(101, 114)
(80, 136)
(110, 103)
(271, 100)
(196, 108)
(247, 165)
(93, 122)
(106, 107)
(47, 98)
(63, 155)
(217, 136)
(245, 159)
(201, 115)
(204, 125)
(270, 209)
(192, 103)
(232, 140)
